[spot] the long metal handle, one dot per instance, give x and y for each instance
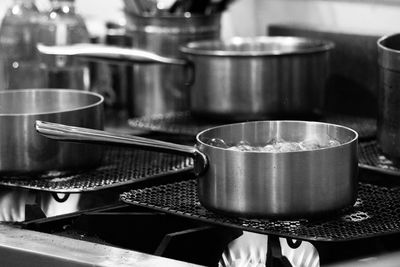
(109, 53)
(84, 135)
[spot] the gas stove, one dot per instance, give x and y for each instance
(97, 229)
(118, 234)
(107, 232)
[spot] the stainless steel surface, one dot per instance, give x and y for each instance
(108, 53)
(279, 184)
(162, 88)
(253, 78)
(84, 135)
(389, 95)
(386, 259)
(79, 134)
(284, 184)
(157, 88)
(257, 46)
(24, 150)
(236, 79)
(28, 248)
(353, 75)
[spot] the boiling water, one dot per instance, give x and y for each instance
(276, 145)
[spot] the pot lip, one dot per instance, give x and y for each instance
(289, 45)
(74, 91)
(352, 140)
(187, 16)
(384, 47)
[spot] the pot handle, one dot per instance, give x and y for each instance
(109, 53)
(117, 55)
(63, 132)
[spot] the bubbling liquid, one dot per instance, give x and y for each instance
(275, 145)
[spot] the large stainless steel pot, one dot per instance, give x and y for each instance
(389, 95)
(249, 183)
(239, 78)
(23, 150)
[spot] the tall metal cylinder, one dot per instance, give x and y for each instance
(389, 95)
(161, 88)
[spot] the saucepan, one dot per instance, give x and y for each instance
(257, 169)
(160, 88)
(23, 150)
(239, 78)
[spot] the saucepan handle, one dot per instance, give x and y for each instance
(85, 135)
(117, 55)
(109, 53)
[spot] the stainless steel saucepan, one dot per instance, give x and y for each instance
(239, 78)
(23, 150)
(254, 183)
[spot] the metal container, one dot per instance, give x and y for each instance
(389, 95)
(236, 79)
(253, 183)
(120, 97)
(253, 78)
(23, 150)
(158, 88)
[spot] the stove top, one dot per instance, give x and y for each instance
(153, 233)
(96, 228)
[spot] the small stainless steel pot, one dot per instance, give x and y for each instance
(267, 184)
(23, 150)
(239, 78)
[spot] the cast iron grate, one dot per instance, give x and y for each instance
(184, 124)
(376, 212)
(120, 167)
(371, 157)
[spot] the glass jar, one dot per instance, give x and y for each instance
(18, 39)
(63, 26)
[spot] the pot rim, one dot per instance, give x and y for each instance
(257, 46)
(187, 16)
(384, 47)
(354, 139)
(74, 91)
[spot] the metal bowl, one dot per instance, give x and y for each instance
(23, 150)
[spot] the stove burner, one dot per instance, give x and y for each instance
(370, 157)
(376, 213)
(120, 167)
(183, 123)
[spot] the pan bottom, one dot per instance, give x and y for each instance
(324, 214)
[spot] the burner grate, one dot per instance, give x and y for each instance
(184, 124)
(370, 157)
(376, 213)
(120, 167)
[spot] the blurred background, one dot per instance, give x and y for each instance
(250, 17)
